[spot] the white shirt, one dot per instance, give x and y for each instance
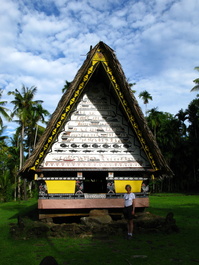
(128, 199)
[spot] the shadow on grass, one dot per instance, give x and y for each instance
(186, 217)
(20, 209)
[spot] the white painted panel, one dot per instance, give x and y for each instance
(97, 135)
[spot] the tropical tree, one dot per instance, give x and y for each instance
(168, 134)
(33, 129)
(154, 120)
(193, 118)
(145, 97)
(3, 111)
(166, 130)
(185, 161)
(2, 137)
(9, 165)
(5, 187)
(5, 180)
(13, 160)
(182, 117)
(132, 85)
(193, 130)
(24, 108)
(66, 86)
(196, 81)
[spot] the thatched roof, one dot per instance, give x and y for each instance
(101, 63)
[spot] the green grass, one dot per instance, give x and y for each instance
(148, 248)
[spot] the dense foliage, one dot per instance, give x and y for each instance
(177, 136)
(178, 139)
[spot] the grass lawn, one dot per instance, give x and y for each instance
(148, 248)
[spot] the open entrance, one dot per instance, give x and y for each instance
(95, 182)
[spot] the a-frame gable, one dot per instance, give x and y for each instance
(98, 58)
(101, 56)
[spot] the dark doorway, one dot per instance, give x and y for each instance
(95, 182)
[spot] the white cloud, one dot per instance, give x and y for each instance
(43, 43)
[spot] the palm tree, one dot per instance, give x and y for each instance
(196, 81)
(6, 185)
(28, 112)
(66, 86)
(154, 120)
(145, 97)
(38, 114)
(193, 118)
(23, 104)
(182, 117)
(3, 110)
(23, 108)
(193, 130)
(13, 161)
(2, 137)
(130, 86)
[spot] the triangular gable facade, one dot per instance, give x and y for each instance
(97, 136)
(100, 111)
(97, 131)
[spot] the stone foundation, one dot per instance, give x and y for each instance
(99, 224)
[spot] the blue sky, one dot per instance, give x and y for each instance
(43, 43)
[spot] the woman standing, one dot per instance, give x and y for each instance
(129, 209)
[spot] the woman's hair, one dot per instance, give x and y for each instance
(127, 186)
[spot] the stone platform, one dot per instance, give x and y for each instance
(98, 224)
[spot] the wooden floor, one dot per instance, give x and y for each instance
(88, 203)
(81, 207)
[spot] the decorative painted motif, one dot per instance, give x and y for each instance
(110, 186)
(79, 187)
(96, 135)
(42, 188)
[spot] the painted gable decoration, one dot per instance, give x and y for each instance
(96, 135)
(98, 124)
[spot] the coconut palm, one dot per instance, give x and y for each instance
(3, 110)
(2, 137)
(154, 120)
(182, 117)
(196, 81)
(23, 104)
(38, 114)
(193, 118)
(130, 86)
(193, 130)
(145, 97)
(66, 86)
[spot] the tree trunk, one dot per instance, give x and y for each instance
(25, 190)
(15, 191)
(35, 140)
(21, 160)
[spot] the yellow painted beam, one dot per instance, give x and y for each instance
(61, 186)
(120, 185)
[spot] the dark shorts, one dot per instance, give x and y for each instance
(127, 211)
